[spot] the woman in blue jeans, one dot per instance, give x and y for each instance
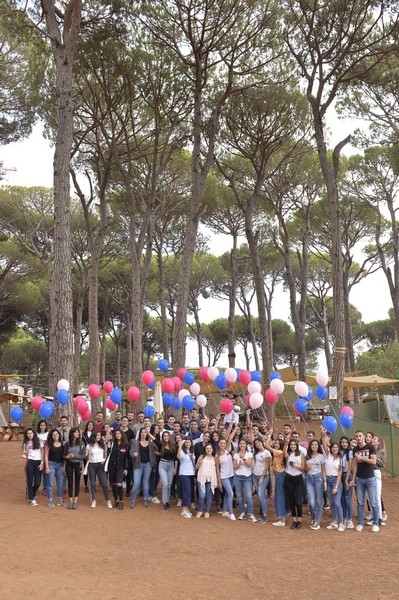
(226, 473)
(243, 461)
(334, 483)
(278, 464)
(54, 462)
(316, 482)
(207, 479)
(347, 490)
(167, 467)
(144, 462)
(186, 456)
(260, 475)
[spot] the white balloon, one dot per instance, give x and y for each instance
(63, 384)
(195, 388)
(277, 386)
(183, 393)
(255, 400)
(231, 374)
(322, 378)
(213, 372)
(254, 386)
(302, 389)
(201, 401)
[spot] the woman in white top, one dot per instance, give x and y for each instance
(243, 461)
(96, 452)
(32, 452)
(207, 479)
(42, 434)
(334, 483)
(260, 475)
(295, 466)
(186, 457)
(226, 473)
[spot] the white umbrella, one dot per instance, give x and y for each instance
(158, 403)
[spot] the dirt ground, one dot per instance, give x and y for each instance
(146, 553)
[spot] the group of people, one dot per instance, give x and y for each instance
(199, 461)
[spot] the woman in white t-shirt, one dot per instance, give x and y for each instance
(294, 467)
(32, 452)
(96, 453)
(243, 461)
(334, 483)
(316, 482)
(260, 475)
(42, 434)
(207, 479)
(186, 457)
(226, 470)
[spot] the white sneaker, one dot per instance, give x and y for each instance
(252, 519)
(369, 516)
(341, 527)
(279, 524)
(225, 514)
(349, 524)
(384, 516)
(332, 526)
(369, 523)
(179, 503)
(198, 515)
(155, 500)
(109, 504)
(34, 503)
(231, 517)
(241, 517)
(206, 515)
(93, 504)
(359, 527)
(185, 514)
(375, 529)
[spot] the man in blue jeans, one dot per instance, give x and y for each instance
(364, 459)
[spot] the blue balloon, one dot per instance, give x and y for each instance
(116, 395)
(16, 413)
(310, 395)
(188, 378)
(346, 420)
(321, 392)
(221, 381)
(256, 376)
(62, 396)
(275, 375)
(176, 403)
(46, 409)
(188, 402)
(301, 405)
(330, 423)
(163, 364)
(149, 411)
(238, 371)
(151, 385)
(167, 399)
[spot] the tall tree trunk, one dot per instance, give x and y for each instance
(162, 305)
(231, 342)
(198, 328)
(129, 373)
(78, 334)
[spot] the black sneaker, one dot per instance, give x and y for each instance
(168, 506)
(164, 507)
(293, 526)
(299, 525)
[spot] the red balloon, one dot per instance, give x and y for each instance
(177, 383)
(36, 402)
(349, 410)
(94, 391)
(168, 385)
(148, 377)
(203, 373)
(270, 396)
(109, 404)
(247, 397)
(133, 393)
(82, 407)
(296, 411)
(86, 416)
(78, 399)
(180, 373)
(108, 386)
(226, 406)
(244, 377)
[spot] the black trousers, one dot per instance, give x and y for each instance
(294, 489)
(33, 477)
(73, 472)
(98, 469)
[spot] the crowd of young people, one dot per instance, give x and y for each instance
(199, 461)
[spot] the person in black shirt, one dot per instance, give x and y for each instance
(117, 465)
(130, 437)
(364, 459)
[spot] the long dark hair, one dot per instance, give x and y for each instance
(72, 441)
(171, 447)
(38, 426)
(50, 441)
(35, 440)
(86, 429)
(93, 440)
(124, 441)
(297, 451)
(348, 449)
(319, 449)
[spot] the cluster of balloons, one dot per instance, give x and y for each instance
(82, 407)
(346, 417)
(305, 392)
(45, 408)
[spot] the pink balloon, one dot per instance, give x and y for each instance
(244, 377)
(255, 400)
(231, 375)
(254, 386)
(148, 377)
(94, 391)
(349, 410)
(322, 378)
(302, 389)
(296, 411)
(183, 393)
(177, 383)
(86, 416)
(247, 397)
(133, 393)
(271, 396)
(203, 373)
(36, 402)
(63, 384)
(109, 404)
(78, 399)
(195, 388)
(168, 385)
(83, 407)
(213, 372)
(201, 401)
(180, 373)
(226, 406)
(108, 386)
(277, 386)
